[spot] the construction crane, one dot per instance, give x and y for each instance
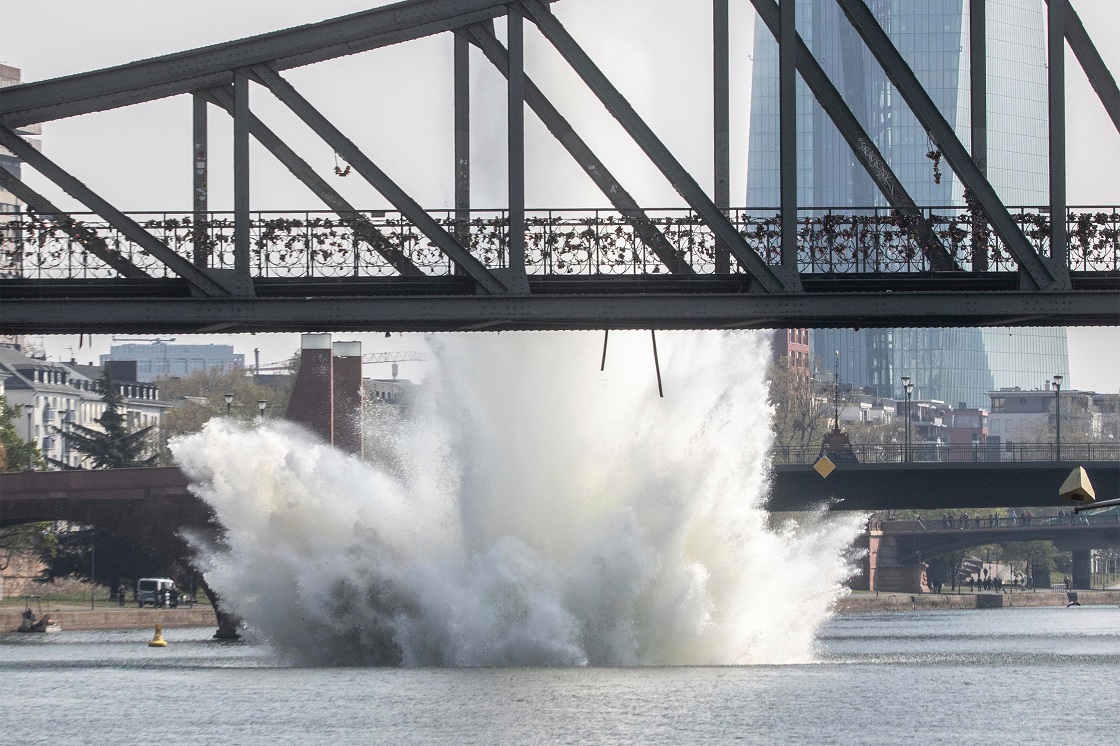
(393, 357)
(372, 358)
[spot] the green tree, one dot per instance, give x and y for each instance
(14, 450)
(97, 556)
(200, 396)
(116, 447)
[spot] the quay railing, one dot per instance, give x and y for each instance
(930, 453)
(961, 521)
(571, 242)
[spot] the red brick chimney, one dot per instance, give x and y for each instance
(347, 389)
(312, 403)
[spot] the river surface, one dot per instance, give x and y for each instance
(1041, 675)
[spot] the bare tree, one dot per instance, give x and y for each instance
(802, 405)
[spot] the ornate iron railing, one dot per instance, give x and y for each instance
(958, 520)
(558, 242)
(929, 453)
(1029, 520)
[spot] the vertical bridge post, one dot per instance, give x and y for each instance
(1056, 85)
(516, 133)
(978, 91)
(787, 103)
(242, 221)
(462, 142)
(721, 115)
(199, 169)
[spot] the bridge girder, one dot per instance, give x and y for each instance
(762, 291)
(585, 308)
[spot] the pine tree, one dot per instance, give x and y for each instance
(116, 447)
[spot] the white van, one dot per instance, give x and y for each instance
(155, 591)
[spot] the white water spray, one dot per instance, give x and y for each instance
(532, 511)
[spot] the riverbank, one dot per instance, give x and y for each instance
(864, 602)
(74, 617)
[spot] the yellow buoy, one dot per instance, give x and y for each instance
(158, 641)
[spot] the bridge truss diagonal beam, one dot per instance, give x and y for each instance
(863, 147)
(378, 179)
(551, 28)
(198, 69)
(902, 77)
(482, 36)
(302, 170)
(89, 239)
(1092, 63)
(202, 282)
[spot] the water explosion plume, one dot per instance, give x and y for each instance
(530, 511)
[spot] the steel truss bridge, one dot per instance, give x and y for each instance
(706, 265)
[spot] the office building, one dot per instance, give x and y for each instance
(953, 365)
(158, 359)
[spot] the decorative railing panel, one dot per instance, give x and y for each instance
(558, 242)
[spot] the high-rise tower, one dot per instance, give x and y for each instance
(953, 365)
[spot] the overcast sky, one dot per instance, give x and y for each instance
(396, 104)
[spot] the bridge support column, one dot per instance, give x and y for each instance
(229, 625)
(1082, 569)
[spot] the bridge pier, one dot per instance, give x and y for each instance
(1082, 569)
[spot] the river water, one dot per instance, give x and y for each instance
(1043, 675)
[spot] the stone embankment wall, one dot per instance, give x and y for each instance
(864, 602)
(121, 618)
(18, 578)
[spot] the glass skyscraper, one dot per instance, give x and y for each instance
(952, 365)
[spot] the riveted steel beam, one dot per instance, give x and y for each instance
(462, 115)
(863, 147)
(1098, 73)
(242, 221)
(207, 67)
(111, 215)
(721, 122)
(200, 166)
(483, 37)
(515, 138)
(303, 171)
(1056, 100)
(978, 92)
(768, 278)
(78, 231)
(542, 311)
(787, 105)
(1035, 269)
(379, 180)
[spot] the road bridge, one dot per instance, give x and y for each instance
(155, 507)
(701, 264)
(898, 549)
(151, 507)
(933, 486)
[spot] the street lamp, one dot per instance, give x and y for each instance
(908, 389)
(229, 403)
(30, 409)
(261, 404)
(1057, 384)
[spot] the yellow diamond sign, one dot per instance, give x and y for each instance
(1077, 487)
(824, 466)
